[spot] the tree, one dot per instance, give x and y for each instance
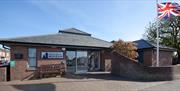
(125, 48)
(169, 33)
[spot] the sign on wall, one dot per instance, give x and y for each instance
(52, 55)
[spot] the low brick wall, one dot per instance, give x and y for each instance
(126, 67)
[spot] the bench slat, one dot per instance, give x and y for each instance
(51, 69)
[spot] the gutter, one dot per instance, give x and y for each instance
(5, 47)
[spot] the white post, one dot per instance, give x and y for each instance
(157, 48)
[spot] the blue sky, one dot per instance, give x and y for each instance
(105, 19)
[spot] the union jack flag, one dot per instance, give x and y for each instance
(168, 9)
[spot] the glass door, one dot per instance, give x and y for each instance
(82, 61)
(71, 61)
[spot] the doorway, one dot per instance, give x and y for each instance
(71, 61)
(82, 61)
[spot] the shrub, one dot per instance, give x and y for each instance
(125, 48)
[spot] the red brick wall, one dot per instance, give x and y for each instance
(2, 74)
(21, 71)
(165, 58)
(105, 61)
(126, 67)
(17, 72)
(148, 57)
(48, 61)
(19, 49)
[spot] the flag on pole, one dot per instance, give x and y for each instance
(164, 11)
(157, 32)
(168, 9)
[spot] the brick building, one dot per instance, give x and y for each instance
(77, 49)
(147, 53)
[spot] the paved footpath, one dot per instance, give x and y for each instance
(108, 83)
(168, 86)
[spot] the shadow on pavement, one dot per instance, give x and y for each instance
(103, 77)
(35, 87)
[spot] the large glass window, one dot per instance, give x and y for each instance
(71, 61)
(82, 61)
(93, 60)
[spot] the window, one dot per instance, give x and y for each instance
(32, 57)
(18, 56)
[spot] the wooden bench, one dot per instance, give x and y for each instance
(58, 69)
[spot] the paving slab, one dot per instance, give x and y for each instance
(168, 86)
(79, 83)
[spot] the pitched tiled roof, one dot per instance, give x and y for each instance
(144, 44)
(69, 37)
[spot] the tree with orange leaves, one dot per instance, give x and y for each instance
(125, 48)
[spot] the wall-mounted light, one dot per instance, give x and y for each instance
(63, 49)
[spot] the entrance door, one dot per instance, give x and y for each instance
(82, 61)
(77, 61)
(71, 61)
(32, 57)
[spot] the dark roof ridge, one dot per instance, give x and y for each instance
(74, 31)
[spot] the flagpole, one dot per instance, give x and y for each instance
(157, 47)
